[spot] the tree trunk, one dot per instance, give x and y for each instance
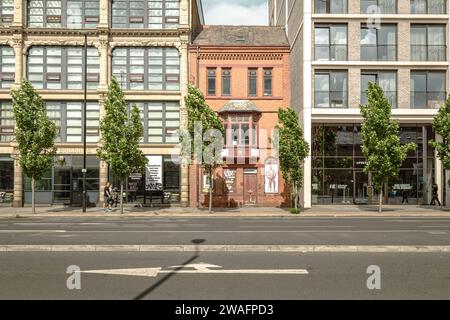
(33, 205)
(380, 202)
(121, 197)
(210, 190)
(199, 184)
(295, 197)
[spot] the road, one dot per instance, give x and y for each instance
(220, 274)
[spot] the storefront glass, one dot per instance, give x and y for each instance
(338, 162)
(6, 179)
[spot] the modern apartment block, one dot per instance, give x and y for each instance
(337, 47)
(143, 43)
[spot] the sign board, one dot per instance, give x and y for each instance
(153, 173)
(271, 176)
(402, 186)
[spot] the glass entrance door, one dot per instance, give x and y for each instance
(360, 194)
(62, 185)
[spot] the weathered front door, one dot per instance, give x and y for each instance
(250, 186)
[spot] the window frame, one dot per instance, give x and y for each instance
(427, 44)
(330, 45)
(6, 19)
(252, 78)
(345, 104)
(427, 8)
(226, 78)
(329, 6)
(426, 92)
(7, 79)
(379, 6)
(378, 45)
(377, 74)
(63, 18)
(211, 79)
(147, 9)
(268, 75)
(155, 63)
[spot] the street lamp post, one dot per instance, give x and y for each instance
(84, 200)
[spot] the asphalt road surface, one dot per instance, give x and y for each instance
(224, 275)
(215, 230)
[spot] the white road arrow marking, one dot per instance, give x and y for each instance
(199, 268)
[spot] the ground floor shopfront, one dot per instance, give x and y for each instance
(337, 175)
(63, 183)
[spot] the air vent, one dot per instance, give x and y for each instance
(240, 38)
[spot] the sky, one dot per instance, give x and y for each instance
(235, 12)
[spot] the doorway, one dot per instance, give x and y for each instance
(360, 189)
(250, 186)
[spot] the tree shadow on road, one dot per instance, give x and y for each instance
(146, 292)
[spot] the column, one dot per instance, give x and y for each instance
(103, 166)
(104, 13)
(18, 185)
(307, 98)
(19, 12)
(184, 167)
(17, 44)
(104, 63)
(184, 13)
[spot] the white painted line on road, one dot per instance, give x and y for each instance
(248, 231)
(437, 232)
(198, 268)
(230, 248)
(32, 231)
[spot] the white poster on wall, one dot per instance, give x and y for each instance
(271, 176)
(153, 173)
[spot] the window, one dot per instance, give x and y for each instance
(428, 43)
(143, 14)
(330, 89)
(428, 7)
(62, 67)
(7, 66)
(240, 130)
(6, 122)
(330, 42)
(211, 74)
(161, 121)
(379, 44)
(384, 6)
(6, 12)
(68, 118)
(226, 82)
(154, 69)
(252, 82)
(386, 80)
(267, 82)
(427, 89)
(330, 6)
(63, 13)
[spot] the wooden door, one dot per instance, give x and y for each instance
(250, 186)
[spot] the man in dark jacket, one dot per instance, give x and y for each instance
(435, 196)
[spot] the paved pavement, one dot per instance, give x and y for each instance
(317, 210)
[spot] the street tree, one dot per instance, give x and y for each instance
(120, 136)
(380, 140)
(441, 127)
(292, 151)
(35, 134)
(204, 139)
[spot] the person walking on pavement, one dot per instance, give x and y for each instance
(435, 196)
(404, 196)
(107, 197)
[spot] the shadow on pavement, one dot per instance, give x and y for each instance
(146, 292)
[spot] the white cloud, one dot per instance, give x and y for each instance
(235, 14)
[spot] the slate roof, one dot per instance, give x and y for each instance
(239, 106)
(242, 36)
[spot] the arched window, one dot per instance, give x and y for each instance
(156, 68)
(62, 67)
(63, 13)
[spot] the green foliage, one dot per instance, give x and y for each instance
(379, 136)
(199, 113)
(292, 150)
(35, 132)
(441, 126)
(121, 135)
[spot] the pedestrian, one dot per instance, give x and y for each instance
(107, 197)
(435, 196)
(404, 196)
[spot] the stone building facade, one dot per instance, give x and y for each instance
(244, 74)
(143, 43)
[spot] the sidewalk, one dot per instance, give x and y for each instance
(316, 211)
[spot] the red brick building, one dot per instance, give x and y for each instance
(244, 73)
